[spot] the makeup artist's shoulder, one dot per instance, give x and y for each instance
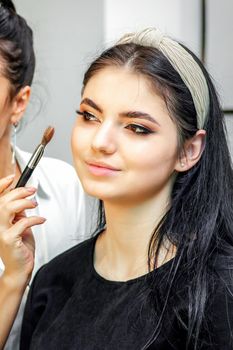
(57, 166)
(52, 169)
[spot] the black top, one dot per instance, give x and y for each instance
(70, 306)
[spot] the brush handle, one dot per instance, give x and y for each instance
(24, 177)
(34, 160)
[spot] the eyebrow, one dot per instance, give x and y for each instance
(140, 115)
(130, 114)
(89, 102)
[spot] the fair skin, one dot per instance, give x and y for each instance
(16, 240)
(11, 112)
(16, 250)
(136, 192)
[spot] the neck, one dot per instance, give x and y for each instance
(6, 166)
(123, 247)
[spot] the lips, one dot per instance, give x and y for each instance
(101, 169)
(101, 165)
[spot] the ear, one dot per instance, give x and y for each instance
(192, 151)
(20, 103)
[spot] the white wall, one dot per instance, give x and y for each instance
(66, 35)
(69, 33)
(220, 47)
(178, 18)
(229, 124)
(219, 54)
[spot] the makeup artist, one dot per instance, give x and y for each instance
(149, 142)
(58, 189)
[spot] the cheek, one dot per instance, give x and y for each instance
(73, 140)
(158, 149)
(4, 124)
(77, 148)
(154, 157)
(75, 143)
(78, 140)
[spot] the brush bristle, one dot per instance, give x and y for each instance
(48, 134)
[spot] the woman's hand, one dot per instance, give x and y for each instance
(17, 249)
(17, 244)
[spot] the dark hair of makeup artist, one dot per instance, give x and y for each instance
(16, 48)
(200, 217)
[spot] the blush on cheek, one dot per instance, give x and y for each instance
(76, 141)
(72, 140)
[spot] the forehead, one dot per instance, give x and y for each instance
(122, 87)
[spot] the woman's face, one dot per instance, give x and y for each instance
(124, 143)
(5, 106)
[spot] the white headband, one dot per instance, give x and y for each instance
(182, 62)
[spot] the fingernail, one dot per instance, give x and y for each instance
(31, 189)
(34, 202)
(43, 220)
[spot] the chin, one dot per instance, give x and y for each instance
(98, 190)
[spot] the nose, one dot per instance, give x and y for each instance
(104, 139)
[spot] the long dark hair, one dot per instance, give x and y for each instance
(201, 213)
(16, 48)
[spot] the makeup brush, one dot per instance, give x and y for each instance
(35, 158)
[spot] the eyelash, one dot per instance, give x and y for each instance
(88, 117)
(142, 129)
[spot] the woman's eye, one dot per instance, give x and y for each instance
(139, 129)
(87, 116)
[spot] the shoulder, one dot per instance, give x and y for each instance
(73, 256)
(52, 287)
(53, 164)
(65, 268)
(58, 172)
(59, 180)
(47, 164)
(57, 168)
(54, 175)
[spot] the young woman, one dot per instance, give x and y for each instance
(149, 142)
(57, 185)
